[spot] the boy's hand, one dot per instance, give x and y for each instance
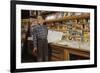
(34, 51)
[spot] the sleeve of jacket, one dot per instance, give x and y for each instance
(34, 38)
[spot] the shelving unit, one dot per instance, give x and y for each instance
(75, 25)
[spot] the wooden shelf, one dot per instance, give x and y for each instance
(69, 18)
(64, 18)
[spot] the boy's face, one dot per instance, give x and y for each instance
(40, 20)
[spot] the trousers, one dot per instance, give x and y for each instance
(42, 50)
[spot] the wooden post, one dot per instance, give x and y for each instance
(66, 55)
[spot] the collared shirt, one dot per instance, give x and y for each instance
(39, 32)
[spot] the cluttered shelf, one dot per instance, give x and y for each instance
(75, 26)
(69, 18)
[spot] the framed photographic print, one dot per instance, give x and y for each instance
(52, 36)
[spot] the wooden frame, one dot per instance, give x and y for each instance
(13, 34)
